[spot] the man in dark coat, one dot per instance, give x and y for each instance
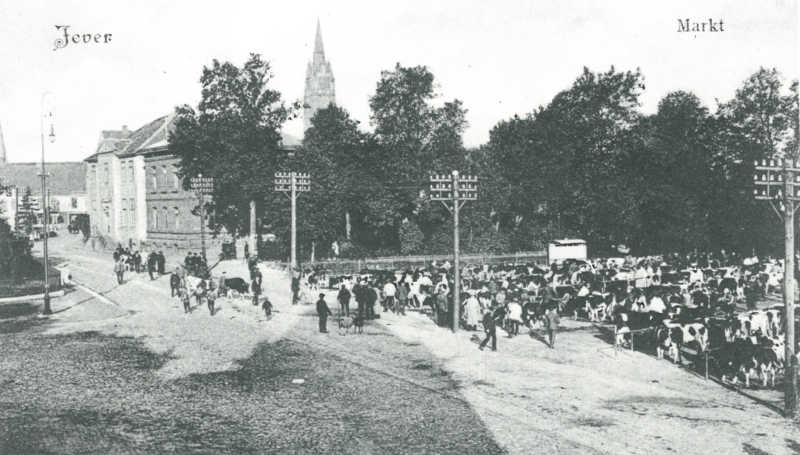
(323, 311)
(370, 297)
(441, 308)
(344, 301)
(175, 283)
(295, 289)
(151, 265)
(358, 293)
(255, 286)
(161, 263)
(489, 327)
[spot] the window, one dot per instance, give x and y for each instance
(155, 177)
(130, 170)
(177, 219)
(94, 174)
(74, 203)
(155, 217)
(133, 212)
(164, 182)
(176, 182)
(124, 221)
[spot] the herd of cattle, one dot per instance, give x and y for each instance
(670, 308)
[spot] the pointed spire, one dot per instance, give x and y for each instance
(2, 148)
(319, 51)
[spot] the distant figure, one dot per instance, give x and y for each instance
(119, 269)
(490, 328)
(222, 285)
(295, 289)
(551, 321)
(246, 253)
(175, 283)
(161, 263)
(323, 311)
(267, 307)
(151, 265)
(211, 296)
(255, 286)
(185, 299)
(344, 301)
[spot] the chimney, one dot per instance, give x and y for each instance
(125, 129)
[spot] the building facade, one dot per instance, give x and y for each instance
(320, 90)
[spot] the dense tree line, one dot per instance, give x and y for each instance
(589, 164)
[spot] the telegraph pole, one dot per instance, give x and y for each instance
(778, 183)
(458, 190)
(202, 186)
(292, 184)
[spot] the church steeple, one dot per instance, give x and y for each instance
(320, 84)
(319, 50)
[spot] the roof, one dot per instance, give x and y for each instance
(65, 178)
(148, 135)
(568, 242)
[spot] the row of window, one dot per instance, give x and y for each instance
(161, 179)
(162, 221)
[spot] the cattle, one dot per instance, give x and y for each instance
(678, 335)
(238, 285)
(747, 324)
(747, 356)
(345, 322)
(630, 321)
(596, 306)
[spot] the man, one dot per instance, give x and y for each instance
(222, 285)
(161, 261)
(359, 294)
(490, 328)
(551, 321)
(402, 297)
(255, 286)
(151, 265)
(185, 299)
(295, 289)
(370, 297)
(323, 311)
(344, 301)
(389, 291)
(640, 276)
(200, 291)
(210, 298)
(175, 283)
(246, 253)
(119, 269)
(441, 308)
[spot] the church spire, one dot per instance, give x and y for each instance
(319, 50)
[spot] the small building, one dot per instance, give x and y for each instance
(560, 250)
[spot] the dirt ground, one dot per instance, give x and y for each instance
(579, 398)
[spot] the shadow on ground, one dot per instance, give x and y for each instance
(89, 393)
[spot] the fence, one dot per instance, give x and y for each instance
(20, 287)
(394, 263)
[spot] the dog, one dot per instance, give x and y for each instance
(358, 322)
(345, 323)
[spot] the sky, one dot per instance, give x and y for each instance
(501, 58)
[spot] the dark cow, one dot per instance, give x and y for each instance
(237, 284)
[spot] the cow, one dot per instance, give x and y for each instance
(747, 356)
(747, 324)
(679, 335)
(238, 285)
(596, 306)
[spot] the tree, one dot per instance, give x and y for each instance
(414, 139)
(234, 136)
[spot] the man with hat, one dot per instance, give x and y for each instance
(323, 312)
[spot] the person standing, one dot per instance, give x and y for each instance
(119, 269)
(514, 317)
(359, 294)
(151, 265)
(246, 253)
(295, 289)
(323, 311)
(175, 283)
(185, 299)
(255, 287)
(161, 261)
(402, 297)
(344, 301)
(222, 285)
(267, 307)
(441, 308)
(490, 328)
(200, 291)
(472, 311)
(551, 321)
(211, 297)
(370, 297)
(389, 291)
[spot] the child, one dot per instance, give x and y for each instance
(185, 300)
(267, 307)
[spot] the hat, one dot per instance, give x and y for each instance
(321, 295)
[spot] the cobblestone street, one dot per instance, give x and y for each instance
(122, 369)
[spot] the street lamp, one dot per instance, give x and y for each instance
(49, 105)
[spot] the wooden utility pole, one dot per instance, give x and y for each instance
(778, 182)
(201, 186)
(458, 190)
(293, 183)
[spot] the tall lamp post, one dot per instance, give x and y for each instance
(49, 105)
(459, 190)
(781, 183)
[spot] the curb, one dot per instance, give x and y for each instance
(28, 298)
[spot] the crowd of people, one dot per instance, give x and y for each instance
(126, 260)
